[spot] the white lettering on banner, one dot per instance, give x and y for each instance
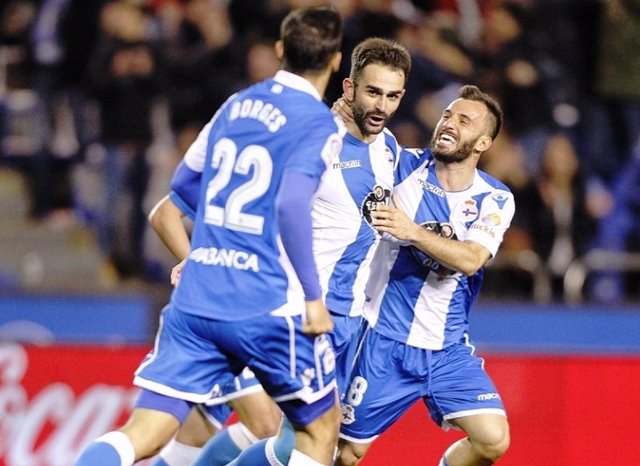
(52, 428)
(13, 364)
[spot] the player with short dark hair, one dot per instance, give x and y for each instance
(249, 293)
(344, 240)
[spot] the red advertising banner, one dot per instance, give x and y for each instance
(54, 400)
(563, 410)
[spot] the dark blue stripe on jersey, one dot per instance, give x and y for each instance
(186, 184)
(392, 144)
(414, 275)
(436, 205)
(407, 163)
(184, 207)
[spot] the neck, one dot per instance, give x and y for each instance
(354, 130)
(318, 79)
(456, 176)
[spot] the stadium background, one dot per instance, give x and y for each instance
(71, 333)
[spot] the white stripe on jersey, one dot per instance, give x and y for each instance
(344, 242)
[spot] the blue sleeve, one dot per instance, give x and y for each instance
(185, 187)
(181, 204)
(294, 220)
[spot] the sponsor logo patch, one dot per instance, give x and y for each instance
(346, 164)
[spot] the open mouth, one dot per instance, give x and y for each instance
(376, 120)
(446, 140)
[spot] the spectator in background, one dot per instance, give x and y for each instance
(47, 45)
(562, 186)
(441, 63)
(21, 135)
(124, 74)
(46, 123)
(201, 60)
(619, 230)
(611, 129)
(564, 226)
(524, 74)
(53, 162)
(363, 18)
(261, 61)
(552, 219)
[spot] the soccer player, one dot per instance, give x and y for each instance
(249, 293)
(344, 240)
(259, 417)
(449, 219)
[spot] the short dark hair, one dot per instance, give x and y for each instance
(470, 92)
(311, 37)
(382, 51)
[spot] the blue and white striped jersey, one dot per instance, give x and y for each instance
(343, 239)
(415, 299)
(237, 268)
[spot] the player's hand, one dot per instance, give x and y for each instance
(343, 108)
(176, 272)
(318, 319)
(391, 220)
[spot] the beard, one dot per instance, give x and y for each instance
(461, 154)
(360, 116)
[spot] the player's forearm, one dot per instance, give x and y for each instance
(464, 257)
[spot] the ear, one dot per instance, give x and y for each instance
(348, 89)
(483, 144)
(279, 46)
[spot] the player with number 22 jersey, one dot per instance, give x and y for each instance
(237, 270)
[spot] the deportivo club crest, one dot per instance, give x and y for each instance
(379, 196)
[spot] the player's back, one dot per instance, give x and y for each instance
(236, 268)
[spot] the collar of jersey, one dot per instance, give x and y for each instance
(286, 78)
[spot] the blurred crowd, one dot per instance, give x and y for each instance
(100, 98)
